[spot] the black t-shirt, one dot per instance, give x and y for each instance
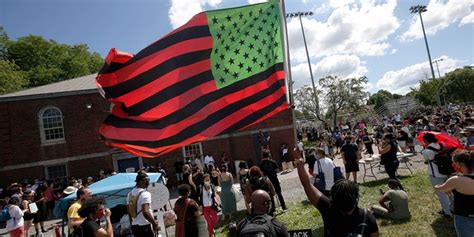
(350, 152)
(178, 166)
(311, 159)
(89, 227)
(269, 169)
(336, 224)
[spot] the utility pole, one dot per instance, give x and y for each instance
(437, 68)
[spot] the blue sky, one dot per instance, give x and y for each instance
(378, 39)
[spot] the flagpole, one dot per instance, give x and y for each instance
(287, 65)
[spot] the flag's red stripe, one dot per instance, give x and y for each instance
(147, 63)
(137, 134)
(220, 126)
(162, 82)
(117, 56)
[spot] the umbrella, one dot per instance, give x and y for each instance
(116, 187)
(446, 140)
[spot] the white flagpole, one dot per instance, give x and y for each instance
(287, 66)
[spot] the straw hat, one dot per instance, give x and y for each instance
(69, 190)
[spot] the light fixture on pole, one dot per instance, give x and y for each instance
(437, 67)
(419, 9)
(299, 14)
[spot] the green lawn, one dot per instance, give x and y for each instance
(423, 206)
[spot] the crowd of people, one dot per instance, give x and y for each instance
(206, 186)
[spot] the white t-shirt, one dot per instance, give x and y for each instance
(429, 155)
(144, 198)
(209, 160)
(206, 197)
(16, 220)
(327, 167)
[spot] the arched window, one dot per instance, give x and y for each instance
(51, 125)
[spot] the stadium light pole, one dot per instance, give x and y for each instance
(419, 9)
(299, 15)
(437, 68)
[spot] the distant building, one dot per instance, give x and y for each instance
(400, 106)
(51, 132)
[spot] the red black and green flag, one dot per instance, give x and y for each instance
(220, 72)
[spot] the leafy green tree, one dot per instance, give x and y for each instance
(458, 85)
(427, 92)
(11, 78)
(46, 61)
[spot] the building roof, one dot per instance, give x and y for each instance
(76, 86)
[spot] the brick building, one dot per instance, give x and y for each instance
(51, 131)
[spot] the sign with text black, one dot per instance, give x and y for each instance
(300, 233)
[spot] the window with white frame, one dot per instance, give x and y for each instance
(51, 125)
(192, 150)
(56, 171)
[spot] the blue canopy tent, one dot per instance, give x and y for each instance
(116, 188)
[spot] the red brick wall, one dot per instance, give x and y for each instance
(89, 167)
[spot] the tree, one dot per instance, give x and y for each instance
(343, 94)
(427, 92)
(11, 78)
(46, 61)
(458, 85)
(306, 103)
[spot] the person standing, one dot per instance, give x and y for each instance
(325, 166)
(351, 155)
(209, 160)
(92, 211)
(256, 182)
(15, 223)
(178, 168)
(368, 142)
(388, 155)
(435, 176)
(285, 155)
(187, 212)
(28, 215)
(207, 199)
(243, 175)
(462, 188)
(74, 220)
(144, 223)
(227, 193)
(270, 169)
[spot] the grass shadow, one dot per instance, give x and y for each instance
(390, 222)
(384, 181)
(443, 226)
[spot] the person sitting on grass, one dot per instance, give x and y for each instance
(341, 214)
(393, 203)
(462, 188)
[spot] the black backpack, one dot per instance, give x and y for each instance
(256, 226)
(443, 160)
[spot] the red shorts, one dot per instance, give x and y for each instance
(18, 232)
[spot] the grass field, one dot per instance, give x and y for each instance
(423, 205)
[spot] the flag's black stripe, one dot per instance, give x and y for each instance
(255, 116)
(169, 93)
(202, 125)
(156, 72)
(186, 34)
(194, 106)
(239, 125)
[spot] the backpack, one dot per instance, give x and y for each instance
(132, 204)
(5, 214)
(443, 160)
(256, 226)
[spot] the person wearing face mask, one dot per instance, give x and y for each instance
(207, 200)
(144, 223)
(92, 211)
(259, 223)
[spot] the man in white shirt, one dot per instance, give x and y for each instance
(435, 177)
(144, 223)
(327, 168)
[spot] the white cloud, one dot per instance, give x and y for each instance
(469, 19)
(255, 1)
(400, 81)
(336, 65)
(350, 29)
(439, 16)
(182, 10)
